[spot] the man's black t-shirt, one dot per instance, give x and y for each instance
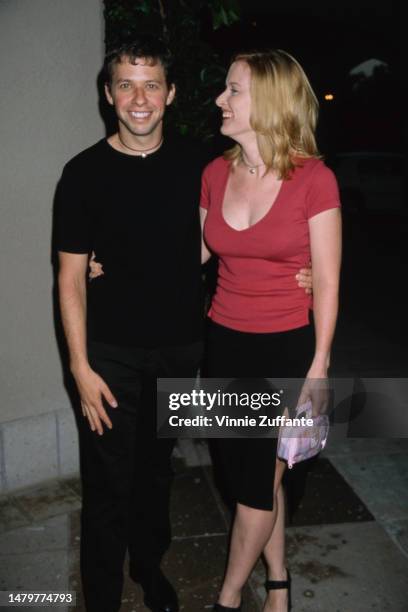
(141, 217)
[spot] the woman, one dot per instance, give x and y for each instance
(268, 206)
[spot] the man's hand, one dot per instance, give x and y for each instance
(304, 279)
(92, 389)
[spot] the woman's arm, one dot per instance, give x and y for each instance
(325, 240)
(205, 253)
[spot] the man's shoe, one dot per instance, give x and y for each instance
(159, 594)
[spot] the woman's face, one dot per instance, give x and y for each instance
(235, 102)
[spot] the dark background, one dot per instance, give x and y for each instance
(366, 115)
(329, 39)
(364, 125)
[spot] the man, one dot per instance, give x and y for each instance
(133, 200)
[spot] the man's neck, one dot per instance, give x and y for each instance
(132, 144)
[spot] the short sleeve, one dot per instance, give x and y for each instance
(72, 228)
(323, 192)
(205, 190)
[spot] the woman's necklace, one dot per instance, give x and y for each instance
(142, 152)
(251, 167)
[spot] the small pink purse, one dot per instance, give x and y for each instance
(299, 442)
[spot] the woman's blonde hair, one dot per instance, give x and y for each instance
(284, 111)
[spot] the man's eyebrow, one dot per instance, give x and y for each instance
(124, 79)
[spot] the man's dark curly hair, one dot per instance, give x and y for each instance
(154, 50)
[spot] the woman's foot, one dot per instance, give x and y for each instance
(228, 600)
(278, 589)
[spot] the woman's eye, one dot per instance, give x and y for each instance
(234, 91)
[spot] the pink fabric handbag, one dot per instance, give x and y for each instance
(299, 442)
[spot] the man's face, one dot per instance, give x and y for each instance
(140, 95)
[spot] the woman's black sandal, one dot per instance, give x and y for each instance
(271, 585)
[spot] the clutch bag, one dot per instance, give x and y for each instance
(299, 442)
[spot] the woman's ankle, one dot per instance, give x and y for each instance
(277, 573)
(230, 598)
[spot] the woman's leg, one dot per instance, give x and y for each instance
(274, 551)
(231, 353)
(252, 533)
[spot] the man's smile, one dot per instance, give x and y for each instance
(140, 114)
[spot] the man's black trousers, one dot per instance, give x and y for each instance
(126, 472)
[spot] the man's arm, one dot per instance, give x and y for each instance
(72, 294)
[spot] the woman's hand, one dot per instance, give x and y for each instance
(95, 268)
(205, 253)
(316, 390)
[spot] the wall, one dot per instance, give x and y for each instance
(51, 52)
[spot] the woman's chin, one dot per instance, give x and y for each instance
(224, 130)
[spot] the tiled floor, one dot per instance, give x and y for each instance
(347, 539)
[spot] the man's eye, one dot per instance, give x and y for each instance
(124, 85)
(152, 86)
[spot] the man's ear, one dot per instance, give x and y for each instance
(108, 94)
(171, 95)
